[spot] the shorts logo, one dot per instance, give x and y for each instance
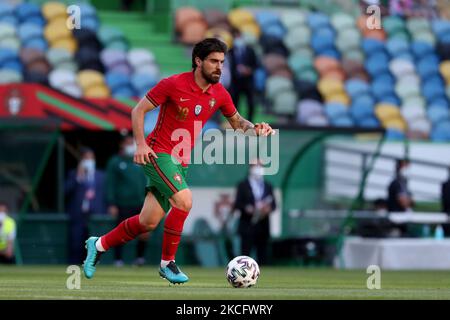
(198, 109)
(212, 102)
(177, 178)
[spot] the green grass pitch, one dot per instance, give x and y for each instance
(49, 282)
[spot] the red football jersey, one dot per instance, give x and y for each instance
(183, 105)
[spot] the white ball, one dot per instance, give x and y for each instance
(242, 272)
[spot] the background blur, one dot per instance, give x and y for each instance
(353, 86)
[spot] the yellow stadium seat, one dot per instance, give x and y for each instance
(90, 78)
(97, 91)
(330, 86)
(386, 111)
(445, 70)
(251, 28)
(395, 123)
(57, 30)
(238, 17)
(340, 97)
(221, 34)
(53, 9)
(69, 43)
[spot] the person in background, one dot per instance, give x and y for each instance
(445, 202)
(126, 183)
(243, 63)
(255, 201)
(7, 236)
(399, 196)
(84, 190)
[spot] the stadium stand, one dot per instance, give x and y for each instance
(396, 76)
(319, 66)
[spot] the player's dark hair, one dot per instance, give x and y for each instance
(203, 48)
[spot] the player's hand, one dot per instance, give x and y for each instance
(263, 129)
(143, 154)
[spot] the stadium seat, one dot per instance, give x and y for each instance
(397, 47)
(328, 87)
(361, 108)
(421, 126)
(277, 84)
(400, 67)
(371, 46)
(10, 76)
(97, 91)
(53, 10)
(342, 21)
(285, 103)
(444, 68)
(412, 112)
(368, 122)
(273, 62)
(142, 82)
(393, 24)
(292, 19)
(414, 100)
(90, 78)
(26, 10)
(238, 17)
(308, 108)
(386, 111)
(421, 49)
(323, 64)
(356, 88)
(317, 121)
(297, 37)
(60, 78)
(437, 114)
(334, 110)
(343, 121)
(317, 20)
(348, 39)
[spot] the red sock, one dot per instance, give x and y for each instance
(126, 231)
(173, 227)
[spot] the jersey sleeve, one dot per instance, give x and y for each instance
(159, 93)
(227, 108)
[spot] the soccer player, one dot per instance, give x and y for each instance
(184, 98)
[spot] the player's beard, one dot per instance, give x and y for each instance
(210, 77)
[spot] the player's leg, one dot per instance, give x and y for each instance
(181, 203)
(147, 220)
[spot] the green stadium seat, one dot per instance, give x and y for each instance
(343, 21)
(10, 76)
(285, 103)
(277, 84)
(293, 19)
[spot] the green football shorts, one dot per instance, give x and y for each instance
(165, 178)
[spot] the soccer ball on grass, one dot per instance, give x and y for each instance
(242, 272)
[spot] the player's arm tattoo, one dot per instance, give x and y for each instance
(238, 122)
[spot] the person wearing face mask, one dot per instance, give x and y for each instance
(255, 201)
(7, 236)
(125, 185)
(84, 190)
(399, 196)
(243, 62)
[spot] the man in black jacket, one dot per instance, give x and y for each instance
(243, 62)
(255, 200)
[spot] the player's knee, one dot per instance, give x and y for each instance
(185, 204)
(148, 224)
(184, 201)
